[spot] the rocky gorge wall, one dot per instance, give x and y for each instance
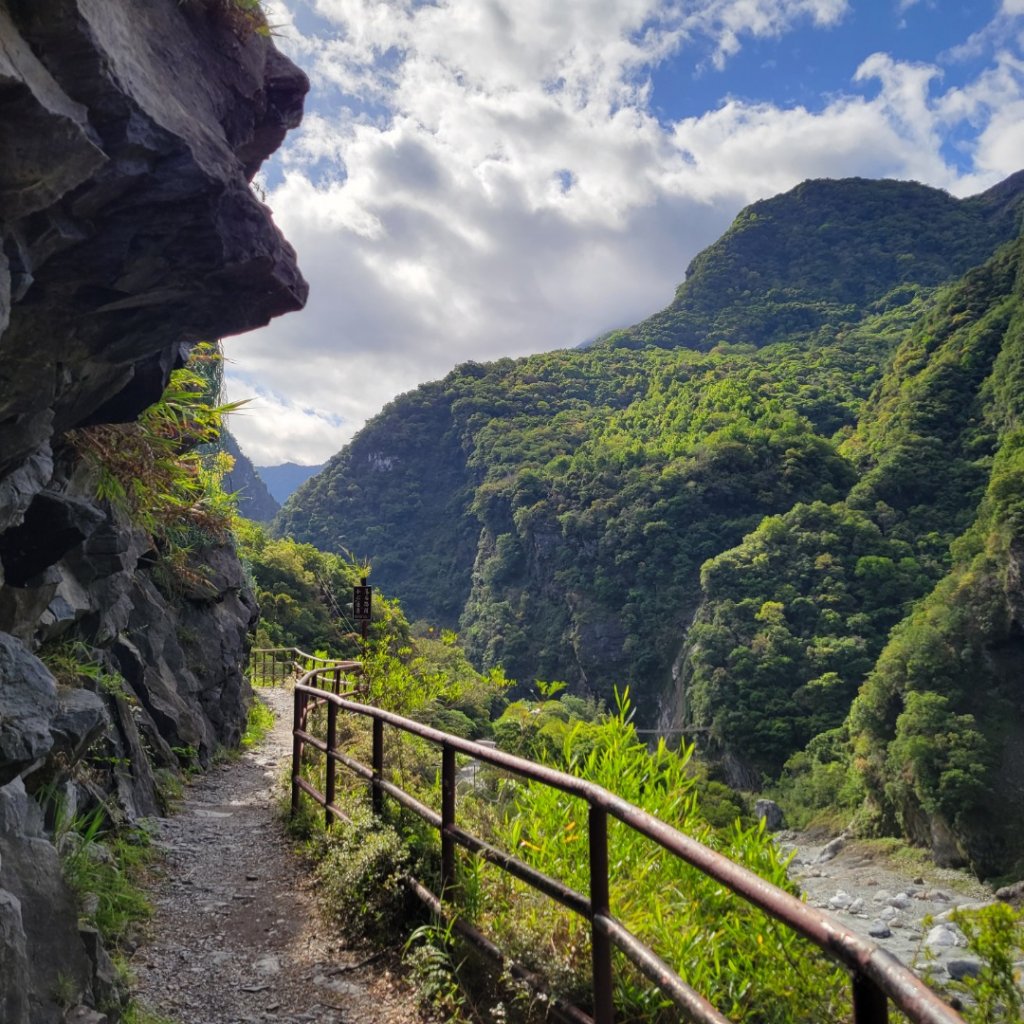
(128, 136)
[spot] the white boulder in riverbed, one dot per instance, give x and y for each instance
(942, 936)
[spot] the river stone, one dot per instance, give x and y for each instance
(1012, 894)
(963, 967)
(879, 930)
(840, 901)
(940, 937)
(831, 849)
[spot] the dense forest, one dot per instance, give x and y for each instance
(786, 510)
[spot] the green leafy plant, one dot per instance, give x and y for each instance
(75, 663)
(150, 468)
(259, 722)
(995, 934)
(429, 954)
(359, 869)
(136, 1013)
(103, 865)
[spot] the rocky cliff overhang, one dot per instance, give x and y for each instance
(129, 133)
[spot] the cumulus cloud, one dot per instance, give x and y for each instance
(479, 178)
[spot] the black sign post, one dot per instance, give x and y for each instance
(362, 608)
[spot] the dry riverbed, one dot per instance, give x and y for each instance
(887, 897)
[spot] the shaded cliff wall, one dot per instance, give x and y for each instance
(128, 135)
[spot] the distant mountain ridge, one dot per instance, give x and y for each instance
(254, 500)
(733, 505)
(284, 479)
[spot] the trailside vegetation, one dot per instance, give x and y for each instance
(750, 966)
(746, 963)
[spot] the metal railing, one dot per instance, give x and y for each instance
(280, 663)
(877, 976)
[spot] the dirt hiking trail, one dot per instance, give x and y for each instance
(236, 935)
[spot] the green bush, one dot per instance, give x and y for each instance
(995, 934)
(359, 872)
(736, 956)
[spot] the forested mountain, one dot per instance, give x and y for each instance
(731, 505)
(254, 498)
(822, 254)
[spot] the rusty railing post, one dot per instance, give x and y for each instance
(376, 794)
(297, 723)
(600, 944)
(447, 818)
(870, 1005)
(332, 743)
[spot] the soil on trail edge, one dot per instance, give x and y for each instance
(236, 935)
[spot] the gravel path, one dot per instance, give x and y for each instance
(236, 936)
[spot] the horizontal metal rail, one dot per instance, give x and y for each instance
(877, 975)
(296, 662)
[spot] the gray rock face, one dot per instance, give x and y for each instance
(128, 231)
(129, 226)
(772, 814)
(13, 960)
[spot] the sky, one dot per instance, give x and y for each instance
(484, 178)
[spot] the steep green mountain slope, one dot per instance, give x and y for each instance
(559, 508)
(821, 254)
(794, 618)
(904, 599)
(254, 498)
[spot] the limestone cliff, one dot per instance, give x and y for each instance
(128, 136)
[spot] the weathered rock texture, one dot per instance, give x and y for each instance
(128, 136)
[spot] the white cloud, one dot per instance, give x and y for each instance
(493, 181)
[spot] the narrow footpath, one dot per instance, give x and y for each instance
(236, 936)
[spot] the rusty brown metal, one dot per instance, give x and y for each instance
(878, 976)
(600, 944)
(378, 765)
(331, 766)
(447, 818)
(300, 700)
(870, 1005)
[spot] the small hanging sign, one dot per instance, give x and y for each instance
(362, 601)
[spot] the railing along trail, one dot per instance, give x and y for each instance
(878, 978)
(276, 664)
